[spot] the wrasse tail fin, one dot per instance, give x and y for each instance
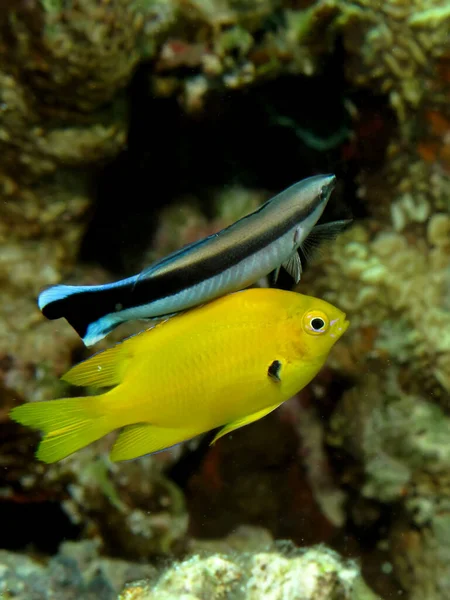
(90, 310)
(72, 303)
(142, 438)
(242, 422)
(68, 424)
(49, 300)
(105, 368)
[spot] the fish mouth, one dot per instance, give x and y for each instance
(339, 327)
(344, 326)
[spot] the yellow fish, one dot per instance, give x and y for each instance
(225, 364)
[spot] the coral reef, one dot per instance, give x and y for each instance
(396, 49)
(236, 45)
(133, 509)
(313, 574)
(391, 273)
(59, 112)
(63, 70)
(270, 570)
(398, 284)
(75, 572)
(366, 446)
(400, 443)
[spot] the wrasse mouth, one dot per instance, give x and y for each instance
(327, 188)
(330, 184)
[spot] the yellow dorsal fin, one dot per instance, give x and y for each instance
(103, 369)
(142, 438)
(108, 367)
(242, 422)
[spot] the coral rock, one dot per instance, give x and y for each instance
(313, 574)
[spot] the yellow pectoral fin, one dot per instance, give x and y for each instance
(245, 421)
(142, 438)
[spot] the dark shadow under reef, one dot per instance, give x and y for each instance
(265, 137)
(39, 527)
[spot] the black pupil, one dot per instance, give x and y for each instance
(317, 323)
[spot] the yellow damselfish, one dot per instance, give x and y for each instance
(225, 364)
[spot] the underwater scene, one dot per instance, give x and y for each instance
(225, 299)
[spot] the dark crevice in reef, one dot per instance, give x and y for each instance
(253, 476)
(361, 541)
(34, 526)
(268, 136)
(263, 456)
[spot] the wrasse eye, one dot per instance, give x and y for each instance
(323, 193)
(316, 322)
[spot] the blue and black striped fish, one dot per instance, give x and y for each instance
(227, 261)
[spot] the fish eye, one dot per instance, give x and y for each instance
(316, 322)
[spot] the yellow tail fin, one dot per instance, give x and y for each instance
(68, 424)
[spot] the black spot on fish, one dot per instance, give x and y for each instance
(274, 371)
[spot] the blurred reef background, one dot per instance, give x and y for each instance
(131, 127)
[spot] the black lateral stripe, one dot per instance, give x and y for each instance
(239, 240)
(188, 268)
(233, 245)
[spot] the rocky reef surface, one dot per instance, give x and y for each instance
(129, 128)
(75, 572)
(273, 571)
(311, 574)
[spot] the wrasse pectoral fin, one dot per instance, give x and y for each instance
(294, 266)
(274, 371)
(242, 422)
(144, 438)
(322, 233)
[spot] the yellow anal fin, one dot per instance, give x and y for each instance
(68, 424)
(242, 422)
(142, 438)
(103, 369)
